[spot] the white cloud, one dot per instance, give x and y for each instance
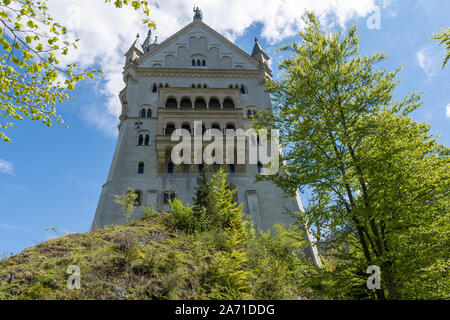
(447, 111)
(6, 167)
(429, 60)
(106, 32)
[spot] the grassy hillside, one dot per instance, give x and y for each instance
(154, 259)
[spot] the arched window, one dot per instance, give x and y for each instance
(204, 63)
(193, 62)
(193, 85)
(236, 86)
(167, 85)
(143, 113)
(149, 113)
(228, 104)
(170, 128)
(160, 85)
(186, 126)
(200, 103)
(231, 86)
(140, 168)
(138, 200)
(198, 63)
(140, 140)
(243, 90)
(250, 113)
(186, 103)
(214, 103)
(147, 140)
(215, 126)
(205, 86)
(170, 167)
(231, 126)
(154, 88)
(171, 103)
(199, 85)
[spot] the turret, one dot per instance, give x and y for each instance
(149, 44)
(135, 51)
(259, 55)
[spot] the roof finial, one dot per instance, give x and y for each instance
(198, 15)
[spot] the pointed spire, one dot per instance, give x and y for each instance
(256, 48)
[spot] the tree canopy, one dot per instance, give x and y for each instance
(32, 79)
(379, 180)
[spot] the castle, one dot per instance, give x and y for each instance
(194, 75)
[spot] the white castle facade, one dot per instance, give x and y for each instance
(194, 75)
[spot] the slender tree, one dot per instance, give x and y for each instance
(376, 176)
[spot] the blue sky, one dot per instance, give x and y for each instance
(52, 177)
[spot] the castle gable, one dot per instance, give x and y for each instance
(197, 46)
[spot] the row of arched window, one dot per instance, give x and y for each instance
(170, 127)
(199, 85)
(199, 62)
(143, 140)
(145, 113)
(156, 86)
(215, 168)
(242, 88)
(199, 102)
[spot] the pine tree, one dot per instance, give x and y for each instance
(204, 200)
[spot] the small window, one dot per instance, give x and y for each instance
(231, 168)
(231, 126)
(215, 126)
(170, 168)
(200, 168)
(186, 127)
(193, 85)
(160, 85)
(143, 113)
(141, 168)
(231, 86)
(199, 85)
(147, 140)
(138, 200)
(250, 113)
(167, 85)
(140, 140)
(170, 128)
(205, 86)
(204, 63)
(168, 196)
(149, 113)
(243, 90)
(260, 166)
(154, 88)
(193, 62)
(198, 63)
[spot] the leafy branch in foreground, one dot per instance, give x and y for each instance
(444, 39)
(32, 78)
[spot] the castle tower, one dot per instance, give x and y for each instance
(194, 75)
